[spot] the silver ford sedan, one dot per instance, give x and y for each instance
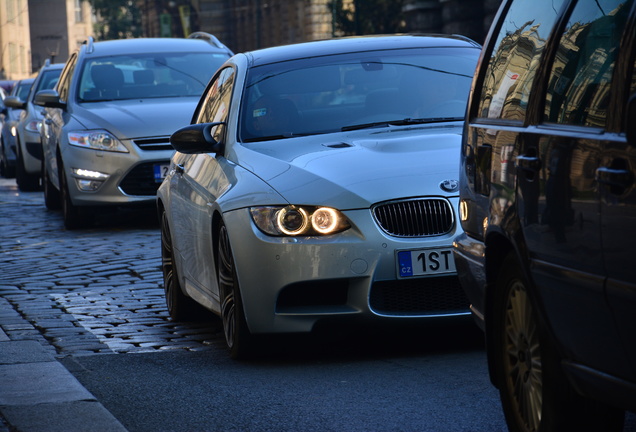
(318, 181)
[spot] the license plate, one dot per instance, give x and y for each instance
(161, 171)
(425, 262)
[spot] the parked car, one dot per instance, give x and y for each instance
(9, 118)
(548, 208)
(318, 181)
(28, 144)
(107, 125)
(7, 85)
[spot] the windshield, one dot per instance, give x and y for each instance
(356, 90)
(144, 76)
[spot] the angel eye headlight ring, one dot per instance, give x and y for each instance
(324, 220)
(292, 220)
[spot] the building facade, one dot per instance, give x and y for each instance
(15, 42)
(245, 25)
(32, 31)
(57, 27)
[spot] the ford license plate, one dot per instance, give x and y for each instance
(161, 171)
(425, 262)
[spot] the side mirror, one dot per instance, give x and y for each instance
(14, 102)
(630, 120)
(48, 99)
(198, 138)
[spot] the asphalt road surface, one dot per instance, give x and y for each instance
(364, 381)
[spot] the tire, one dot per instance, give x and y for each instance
(52, 197)
(239, 340)
(74, 217)
(26, 182)
(180, 307)
(534, 392)
(6, 170)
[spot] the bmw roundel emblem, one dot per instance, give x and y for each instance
(449, 185)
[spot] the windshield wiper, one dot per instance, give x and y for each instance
(270, 137)
(402, 122)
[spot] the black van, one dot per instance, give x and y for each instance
(548, 206)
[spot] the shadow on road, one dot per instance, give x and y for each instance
(347, 342)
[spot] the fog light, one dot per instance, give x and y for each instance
(89, 181)
(88, 185)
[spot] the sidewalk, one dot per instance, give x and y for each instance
(37, 393)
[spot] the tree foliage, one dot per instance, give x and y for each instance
(118, 19)
(368, 17)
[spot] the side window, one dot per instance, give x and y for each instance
(217, 99)
(515, 58)
(65, 79)
(578, 91)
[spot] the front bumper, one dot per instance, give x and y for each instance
(289, 284)
(31, 152)
(124, 178)
(470, 260)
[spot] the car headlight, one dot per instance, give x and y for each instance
(96, 140)
(299, 220)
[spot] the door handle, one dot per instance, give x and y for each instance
(617, 179)
(528, 163)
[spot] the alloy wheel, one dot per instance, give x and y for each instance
(167, 264)
(226, 287)
(522, 357)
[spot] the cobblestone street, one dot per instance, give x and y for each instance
(90, 291)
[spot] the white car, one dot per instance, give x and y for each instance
(319, 181)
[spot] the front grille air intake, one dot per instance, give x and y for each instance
(415, 218)
(162, 143)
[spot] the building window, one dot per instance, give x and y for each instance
(13, 58)
(11, 12)
(23, 60)
(78, 11)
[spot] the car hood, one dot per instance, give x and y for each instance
(130, 119)
(356, 170)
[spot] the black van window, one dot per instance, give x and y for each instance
(515, 58)
(579, 85)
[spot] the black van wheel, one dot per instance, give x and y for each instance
(535, 394)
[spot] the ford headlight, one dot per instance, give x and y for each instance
(96, 140)
(299, 220)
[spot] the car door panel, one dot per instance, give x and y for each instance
(616, 176)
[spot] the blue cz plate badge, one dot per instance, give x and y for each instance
(161, 171)
(425, 262)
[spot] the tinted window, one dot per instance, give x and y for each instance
(217, 100)
(23, 90)
(579, 83)
(65, 78)
(515, 58)
(48, 80)
(325, 94)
